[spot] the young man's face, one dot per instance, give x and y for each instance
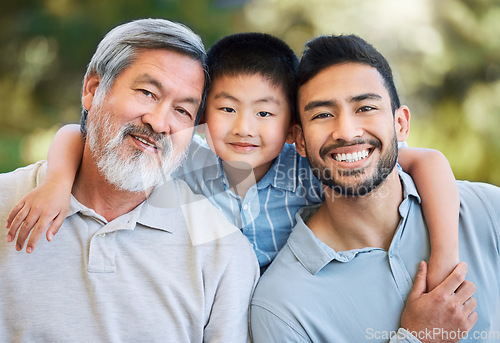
(248, 120)
(139, 130)
(348, 130)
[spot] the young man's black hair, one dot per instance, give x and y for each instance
(325, 51)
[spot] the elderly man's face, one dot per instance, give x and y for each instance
(138, 131)
(348, 128)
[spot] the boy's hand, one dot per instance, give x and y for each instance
(448, 308)
(47, 203)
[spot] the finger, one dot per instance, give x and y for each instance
(420, 283)
(40, 227)
(470, 306)
(25, 229)
(13, 213)
(465, 291)
(17, 222)
(55, 226)
(472, 320)
(454, 280)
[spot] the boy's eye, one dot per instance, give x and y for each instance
(264, 114)
(227, 109)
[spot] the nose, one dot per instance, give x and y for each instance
(243, 125)
(347, 128)
(160, 119)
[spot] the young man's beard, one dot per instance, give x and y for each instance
(126, 167)
(385, 166)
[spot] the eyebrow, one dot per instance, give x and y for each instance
(146, 78)
(226, 95)
(319, 103)
(366, 96)
(330, 103)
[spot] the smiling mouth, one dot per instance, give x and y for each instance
(142, 140)
(351, 157)
(244, 145)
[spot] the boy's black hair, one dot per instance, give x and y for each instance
(325, 51)
(253, 53)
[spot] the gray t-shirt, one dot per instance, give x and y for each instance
(164, 272)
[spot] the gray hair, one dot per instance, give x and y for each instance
(119, 48)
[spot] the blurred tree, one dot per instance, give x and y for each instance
(445, 55)
(44, 49)
(446, 59)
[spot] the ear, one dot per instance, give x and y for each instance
(290, 139)
(402, 123)
(298, 135)
(89, 88)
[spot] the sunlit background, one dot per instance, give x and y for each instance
(445, 55)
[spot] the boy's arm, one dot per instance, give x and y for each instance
(49, 202)
(440, 202)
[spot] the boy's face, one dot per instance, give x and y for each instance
(248, 120)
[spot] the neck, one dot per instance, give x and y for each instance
(92, 190)
(240, 176)
(346, 223)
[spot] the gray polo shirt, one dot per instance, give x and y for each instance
(312, 293)
(161, 273)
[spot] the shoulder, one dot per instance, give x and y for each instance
(480, 196)
(16, 184)
(273, 287)
(272, 312)
(479, 210)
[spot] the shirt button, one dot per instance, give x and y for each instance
(102, 235)
(245, 207)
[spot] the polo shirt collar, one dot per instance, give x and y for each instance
(313, 254)
(161, 204)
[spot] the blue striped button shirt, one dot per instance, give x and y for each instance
(266, 214)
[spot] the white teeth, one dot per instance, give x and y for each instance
(144, 141)
(356, 156)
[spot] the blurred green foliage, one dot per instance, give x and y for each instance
(445, 55)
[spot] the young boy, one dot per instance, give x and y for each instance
(257, 178)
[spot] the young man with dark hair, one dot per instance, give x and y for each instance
(346, 272)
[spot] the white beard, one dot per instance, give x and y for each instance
(126, 167)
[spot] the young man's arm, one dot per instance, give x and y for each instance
(49, 202)
(436, 185)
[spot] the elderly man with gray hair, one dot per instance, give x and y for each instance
(134, 261)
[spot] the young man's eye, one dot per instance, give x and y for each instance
(227, 109)
(322, 115)
(264, 114)
(365, 109)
